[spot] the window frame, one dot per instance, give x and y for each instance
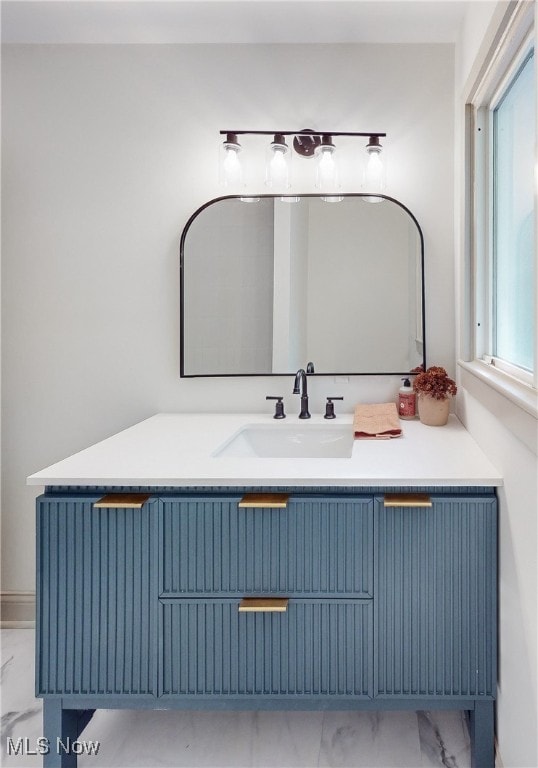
(511, 52)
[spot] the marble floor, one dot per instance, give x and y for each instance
(145, 739)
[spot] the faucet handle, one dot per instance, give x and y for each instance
(279, 406)
(329, 407)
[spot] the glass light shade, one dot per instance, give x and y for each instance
(230, 170)
(374, 172)
(277, 169)
(326, 170)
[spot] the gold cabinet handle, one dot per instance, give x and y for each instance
(263, 604)
(407, 500)
(122, 500)
(265, 500)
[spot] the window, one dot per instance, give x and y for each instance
(514, 127)
(503, 149)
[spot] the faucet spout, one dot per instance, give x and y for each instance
(301, 387)
(300, 381)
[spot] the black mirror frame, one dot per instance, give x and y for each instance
(186, 228)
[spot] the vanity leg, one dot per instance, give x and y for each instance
(61, 727)
(482, 731)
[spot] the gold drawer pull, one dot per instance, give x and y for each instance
(263, 604)
(265, 500)
(407, 500)
(123, 500)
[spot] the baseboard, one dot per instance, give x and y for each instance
(17, 610)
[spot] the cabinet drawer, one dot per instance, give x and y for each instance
(315, 547)
(317, 648)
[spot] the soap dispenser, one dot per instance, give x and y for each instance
(406, 401)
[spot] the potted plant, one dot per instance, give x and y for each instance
(434, 389)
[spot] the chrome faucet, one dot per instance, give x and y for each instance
(300, 387)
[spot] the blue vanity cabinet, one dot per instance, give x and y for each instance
(388, 604)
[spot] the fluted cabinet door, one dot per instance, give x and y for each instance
(96, 598)
(435, 606)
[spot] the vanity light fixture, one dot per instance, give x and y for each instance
(306, 144)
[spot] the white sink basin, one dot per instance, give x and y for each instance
(289, 441)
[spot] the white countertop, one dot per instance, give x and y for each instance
(175, 449)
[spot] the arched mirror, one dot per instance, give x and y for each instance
(272, 283)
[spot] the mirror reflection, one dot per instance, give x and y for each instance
(270, 285)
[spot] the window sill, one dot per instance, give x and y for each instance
(514, 404)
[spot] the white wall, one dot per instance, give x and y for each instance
(490, 418)
(106, 151)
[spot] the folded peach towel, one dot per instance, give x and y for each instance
(377, 421)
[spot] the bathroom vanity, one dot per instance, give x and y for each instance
(175, 573)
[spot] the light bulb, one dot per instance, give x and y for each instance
(232, 166)
(278, 169)
(374, 172)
